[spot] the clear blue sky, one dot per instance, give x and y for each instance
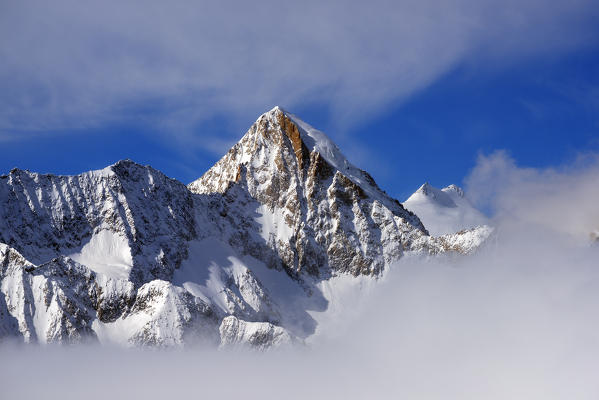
(411, 92)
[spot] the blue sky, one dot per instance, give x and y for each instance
(411, 91)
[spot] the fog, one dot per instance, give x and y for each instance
(516, 320)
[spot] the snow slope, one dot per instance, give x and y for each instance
(106, 253)
(444, 211)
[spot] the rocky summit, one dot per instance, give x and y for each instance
(239, 257)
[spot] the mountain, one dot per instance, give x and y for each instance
(243, 256)
(315, 209)
(444, 211)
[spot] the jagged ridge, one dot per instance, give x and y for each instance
(130, 256)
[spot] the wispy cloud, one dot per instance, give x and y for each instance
(561, 199)
(71, 65)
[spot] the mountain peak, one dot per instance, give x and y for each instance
(276, 134)
(276, 109)
(126, 162)
(309, 190)
(454, 189)
(446, 196)
(303, 134)
(427, 191)
(444, 211)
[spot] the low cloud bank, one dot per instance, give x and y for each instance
(516, 320)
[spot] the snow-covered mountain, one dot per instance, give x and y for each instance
(444, 211)
(241, 256)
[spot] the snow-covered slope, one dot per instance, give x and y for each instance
(444, 211)
(242, 256)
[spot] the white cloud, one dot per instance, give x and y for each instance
(72, 65)
(561, 199)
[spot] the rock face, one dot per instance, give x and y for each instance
(127, 255)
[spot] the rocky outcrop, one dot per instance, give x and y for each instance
(52, 303)
(165, 315)
(257, 335)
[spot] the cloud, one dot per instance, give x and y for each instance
(560, 199)
(69, 65)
